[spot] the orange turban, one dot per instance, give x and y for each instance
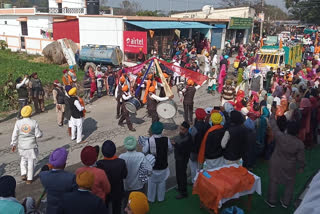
(190, 82)
(150, 76)
(165, 75)
(152, 89)
(122, 79)
(125, 88)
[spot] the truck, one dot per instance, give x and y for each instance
(276, 57)
(93, 55)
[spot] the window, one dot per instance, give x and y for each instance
(59, 7)
(271, 59)
(281, 60)
(24, 28)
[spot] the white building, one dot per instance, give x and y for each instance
(106, 30)
(218, 13)
(25, 30)
(67, 6)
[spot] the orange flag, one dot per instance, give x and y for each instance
(280, 44)
(261, 42)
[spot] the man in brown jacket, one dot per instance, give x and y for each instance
(188, 94)
(288, 154)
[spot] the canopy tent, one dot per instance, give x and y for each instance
(154, 25)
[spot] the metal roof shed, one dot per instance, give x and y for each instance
(154, 25)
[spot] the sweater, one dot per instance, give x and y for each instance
(56, 183)
(101, 186)
(82, 202)
(133, 161)
(116, 171)
(25, 133)
(10, 205)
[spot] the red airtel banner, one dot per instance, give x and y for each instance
(134, 40)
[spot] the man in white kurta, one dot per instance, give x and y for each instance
(24, 136)
(160, 147)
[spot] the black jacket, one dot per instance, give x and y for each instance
(213, 144)
(82, 202)
(116, 171)
(182, 147)
(201, 128)
(236, 143)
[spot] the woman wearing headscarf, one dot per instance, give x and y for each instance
(222, 75)
(290, 113)
(24, 136)
(261, 129)
(8, 203)
(160, 147)
(286, 160)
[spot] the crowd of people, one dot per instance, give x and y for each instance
(273, 116)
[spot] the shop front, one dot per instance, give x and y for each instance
(160, 36)
(239, 30)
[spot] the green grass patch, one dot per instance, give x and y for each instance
(14, 65)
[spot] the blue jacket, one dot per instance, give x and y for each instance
(56, 183)
(82, 202)
(10, 206)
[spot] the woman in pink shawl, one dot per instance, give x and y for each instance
(305, 133)
(222, 75)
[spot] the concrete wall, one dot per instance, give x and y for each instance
(105, 31)
(67, 3)
(35, 25)
(35, 42)
(242, 12)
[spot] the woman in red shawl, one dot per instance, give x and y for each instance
(93, 87)
(239, 97)
(305, 133)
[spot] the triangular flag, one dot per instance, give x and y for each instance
(151, 33)
(261, 42)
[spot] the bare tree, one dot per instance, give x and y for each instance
(129, 7)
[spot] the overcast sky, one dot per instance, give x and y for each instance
(183, 4)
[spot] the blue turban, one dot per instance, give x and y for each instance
(7, 186)
(108, 149)
(71, 67)
(67, 88)
(226, 56)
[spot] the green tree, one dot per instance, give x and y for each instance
(304, 10)
(147, 13)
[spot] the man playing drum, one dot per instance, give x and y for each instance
(152, 101)
(118, 94)
(124, 112)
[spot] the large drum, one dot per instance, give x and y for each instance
(133, 105)
(167, 109)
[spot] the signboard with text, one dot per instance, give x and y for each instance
(134, 40)
(240, 23)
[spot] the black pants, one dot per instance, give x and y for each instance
(188, 112)
(118, 107)
(125, 116)
(22, 103)
(181, 175)
(116, 205)
(154, 115)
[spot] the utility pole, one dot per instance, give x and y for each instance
(187, 5)
(262, 19)
(170, 2)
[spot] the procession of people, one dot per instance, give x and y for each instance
(272, 116)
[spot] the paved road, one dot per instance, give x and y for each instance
(100, 124)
